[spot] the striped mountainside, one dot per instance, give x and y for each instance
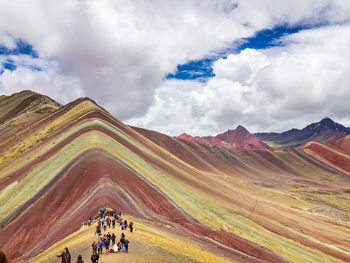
(190, 202)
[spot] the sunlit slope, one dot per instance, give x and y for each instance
(240, 204)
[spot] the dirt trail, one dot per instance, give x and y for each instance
(147, 244)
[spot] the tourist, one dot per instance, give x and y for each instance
(94, 257)
(122, 241)
(113, 239)
(65, 256)
(100, 246)
(115, 248)
(94, 246)
(126, 245)
(80, 259)
(107, 244)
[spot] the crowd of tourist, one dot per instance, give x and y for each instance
(106, 243)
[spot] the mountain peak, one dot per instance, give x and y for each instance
(232, 139)
(240, 128)
(322, 131)
(327, 120)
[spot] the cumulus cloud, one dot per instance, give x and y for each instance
(118, 52)
(121, 50)
(303, 80)
(40, 81)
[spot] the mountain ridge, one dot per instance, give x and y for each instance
(322, 131)
(239, 138)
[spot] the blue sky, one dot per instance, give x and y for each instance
(22, 48)
(201, 70)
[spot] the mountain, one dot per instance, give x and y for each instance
(190, 202)
(231, 139)
(325, 130)
(21, 110)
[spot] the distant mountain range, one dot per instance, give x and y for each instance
(322, 131)
(325, 130)
(231, 139)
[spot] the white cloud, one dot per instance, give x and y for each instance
(62, 88)
(6, 40)
(305, 79)
(118, 52)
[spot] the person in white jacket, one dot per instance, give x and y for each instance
(115, 248)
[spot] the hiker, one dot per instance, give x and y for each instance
(109, 236)
(122, 241)
(115, 248)
(126, 224)
(99, 232)
(94, 257)
(3, 258)
(131, 226)
(94, 246)
(113, 223)
(100, 246)
(65, 256)
(107, 244)
(113, 239)
(80, 259)
(126, 245)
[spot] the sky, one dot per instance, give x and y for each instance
(195, 66)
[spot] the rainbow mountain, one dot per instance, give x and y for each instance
(191, 202)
